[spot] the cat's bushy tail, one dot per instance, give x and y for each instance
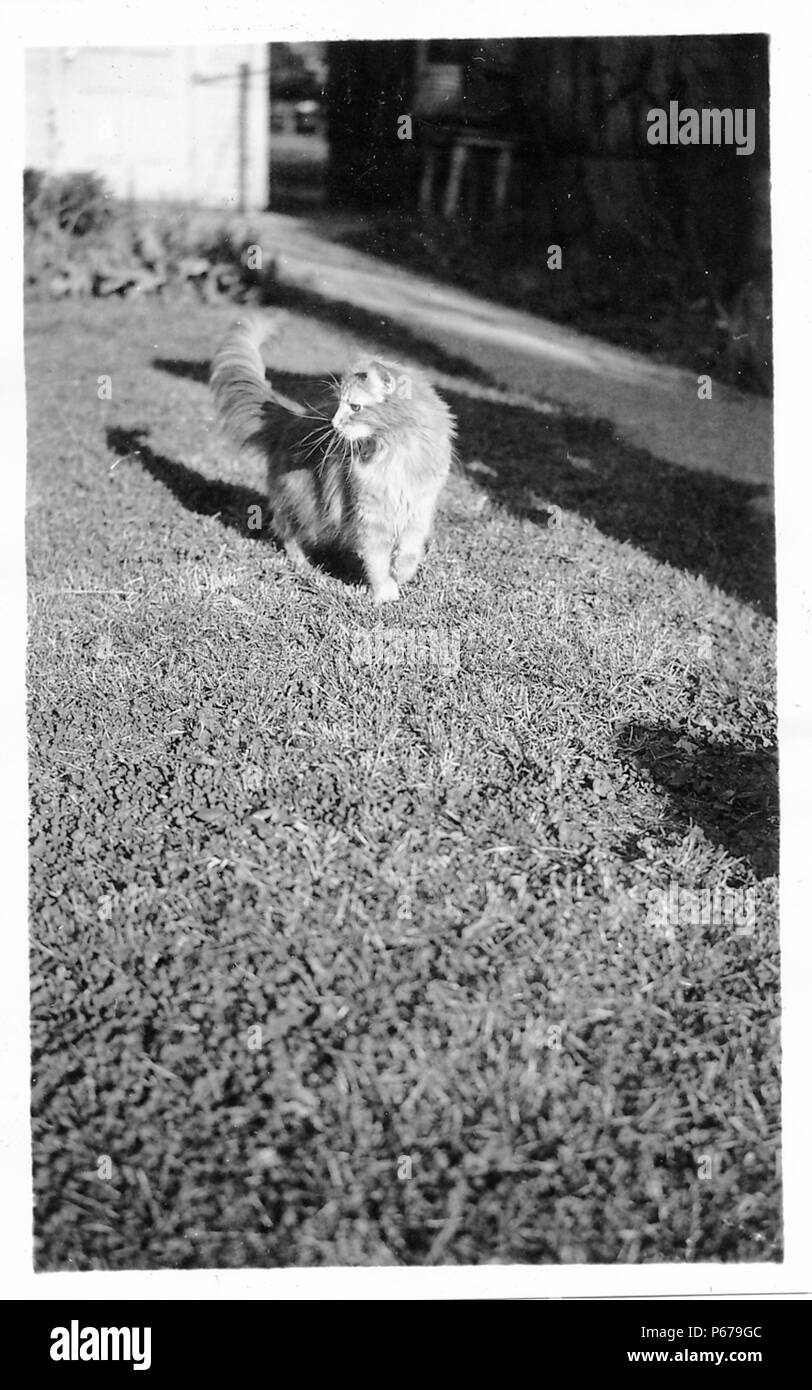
(246, 402)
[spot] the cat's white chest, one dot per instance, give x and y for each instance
(387, 495)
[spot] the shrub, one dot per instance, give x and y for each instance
(77, 203)
(79, 241)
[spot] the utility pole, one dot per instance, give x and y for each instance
(268, 123)
(242, 138)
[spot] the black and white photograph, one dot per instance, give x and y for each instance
(402, 743)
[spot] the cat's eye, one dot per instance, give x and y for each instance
(354, 406)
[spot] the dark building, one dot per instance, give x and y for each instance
(555, 130)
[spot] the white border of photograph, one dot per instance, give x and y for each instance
(29, 23)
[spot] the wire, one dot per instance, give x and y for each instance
(237, 76)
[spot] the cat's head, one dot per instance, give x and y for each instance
(364, 401)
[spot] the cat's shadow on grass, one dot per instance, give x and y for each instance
(730, 791)
(695, 521)
(229, 502)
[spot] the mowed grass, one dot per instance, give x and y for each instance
(343, 940)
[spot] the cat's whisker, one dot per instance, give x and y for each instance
(327, 454)
(319, 460)
(323, 424)
(309, 437)
(320, 438)
(314, 448)
(344, 451)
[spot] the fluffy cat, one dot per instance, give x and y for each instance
(361, 471)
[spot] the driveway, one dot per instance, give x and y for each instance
(652, 406)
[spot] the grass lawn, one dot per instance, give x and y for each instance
(345, 926)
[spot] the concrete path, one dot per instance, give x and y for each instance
(653, 407)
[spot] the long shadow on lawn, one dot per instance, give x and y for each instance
(229, 502)
(731, 792)
(692, 520)
(204, 496)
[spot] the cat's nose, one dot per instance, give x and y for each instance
(336, 420)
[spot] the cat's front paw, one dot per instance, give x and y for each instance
(385, 592)
(406, 567)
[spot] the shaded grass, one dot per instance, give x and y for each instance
(341, 958)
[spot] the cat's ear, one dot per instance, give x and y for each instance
(383, 376)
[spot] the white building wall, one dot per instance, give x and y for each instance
(154, 122)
